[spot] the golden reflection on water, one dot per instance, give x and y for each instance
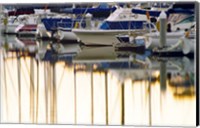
(57, 93)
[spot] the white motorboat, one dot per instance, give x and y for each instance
(25, 24)
(178, 44)
(10, 25)
(121, 21)
(153, 39)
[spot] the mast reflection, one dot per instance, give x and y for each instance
(77, 89)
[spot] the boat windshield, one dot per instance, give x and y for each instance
(161, 5)
(187, 20)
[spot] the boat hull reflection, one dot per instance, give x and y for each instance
(73, 84)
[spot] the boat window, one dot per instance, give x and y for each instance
(122, 25)
(161, 5)
(104, 25)
(140, 41)
(187, 20)
(147, 25)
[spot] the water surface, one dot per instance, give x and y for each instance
(93, 85)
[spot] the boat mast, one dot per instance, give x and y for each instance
(92, 94)
(19, 85)
(75, 100)
(106, 97)
(122, 104)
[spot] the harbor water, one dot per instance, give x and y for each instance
(93, 85)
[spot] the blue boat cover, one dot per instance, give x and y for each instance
(107, 25)
(88, 10)
(157, 13)
(143, 12)
(51, 24)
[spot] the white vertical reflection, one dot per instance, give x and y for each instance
(12, 94)
(25, 89)
(166, 109)
(136, 103)
(114, 100)
(41, 98)
(83, 98)
(65, 94)
(99, 98)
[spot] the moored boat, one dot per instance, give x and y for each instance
(121, 21)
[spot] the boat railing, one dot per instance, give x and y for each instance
(65, 24)
(149, 27)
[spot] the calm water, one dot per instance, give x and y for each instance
(93, 85)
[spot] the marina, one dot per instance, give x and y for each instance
(99, 63)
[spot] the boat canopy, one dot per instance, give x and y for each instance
(101, 11)
(183, 11)
(157, 13)
(184, 5)
(87, 10)
(51, 24)
(144, 12)
(29, 9)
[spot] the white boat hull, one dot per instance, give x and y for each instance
(171, 39)
(67, 35)
(176, 41)
(9, 29)
(98, 37)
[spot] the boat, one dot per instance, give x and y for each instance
(55, 24)
(10, 25)
(28, 30)
(33, 24)
(24, 24)
(182, 41)
(121, 21)
(175, 38)
(62, 25)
